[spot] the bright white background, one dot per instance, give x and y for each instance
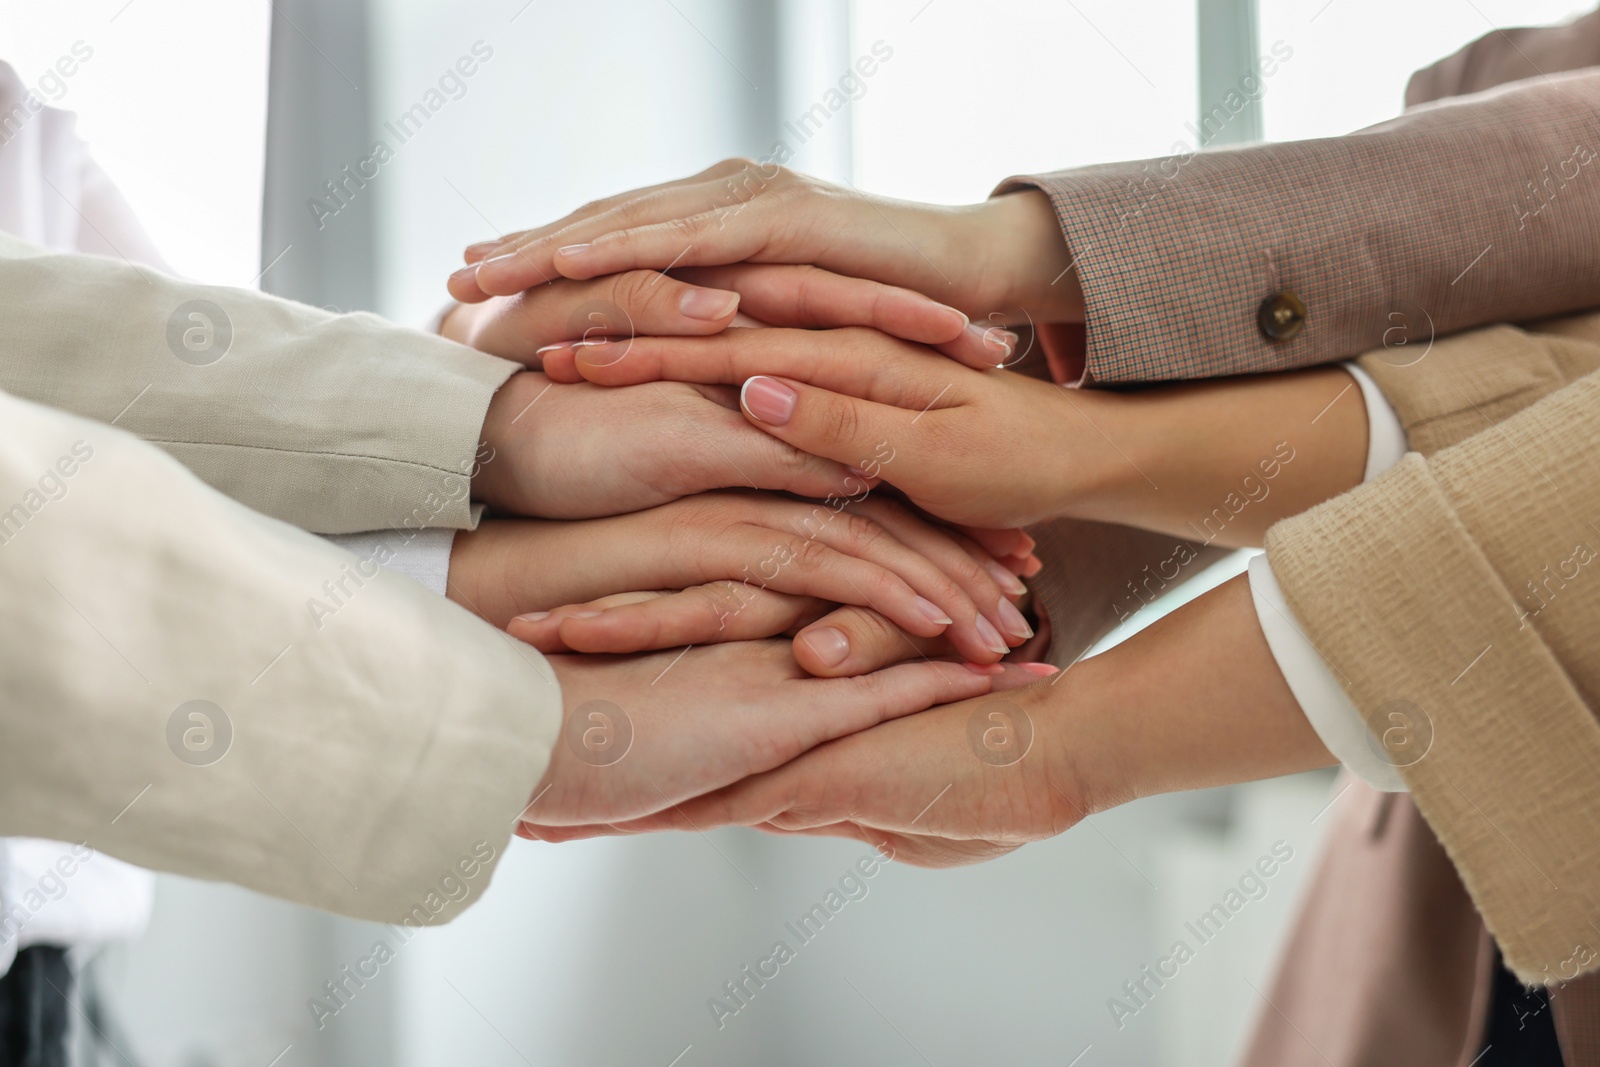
(606, 952)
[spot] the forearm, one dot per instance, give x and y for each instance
(1220, 462)
(1195, 700)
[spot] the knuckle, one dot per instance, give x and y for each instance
(810, 556)
(631, 289)
(860, 533)
(839, 423)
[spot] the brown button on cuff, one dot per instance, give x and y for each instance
(1281, 316)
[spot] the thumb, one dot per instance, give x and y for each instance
(859, 433)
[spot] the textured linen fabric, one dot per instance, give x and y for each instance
(335, 423)
(380, 751)
(1418, 217)
(1454, 585)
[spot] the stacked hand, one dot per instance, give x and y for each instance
(848, 388)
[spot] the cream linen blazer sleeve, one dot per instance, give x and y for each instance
(171, 698)
(1457, 597)
(335, 423)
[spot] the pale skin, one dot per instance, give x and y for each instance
(1195, 700)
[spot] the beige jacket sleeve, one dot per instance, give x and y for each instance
(194, 687)
(335, 423)
(1461, 592)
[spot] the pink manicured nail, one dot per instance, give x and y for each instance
(988, 670)
(1043, 670)
(483, 248)
(500, 260)
(466, 274)
(708, 305)
(585, 615)
(573, 251)
(1005, 579)
(768, 400)
(932, 612)
(532, 616)
(1012, 619)
(830, 645)
(990, 636)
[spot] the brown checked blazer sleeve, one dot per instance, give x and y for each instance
(1464, 587)
(1426, 217)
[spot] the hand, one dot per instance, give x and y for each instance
(990, 448)
(646, 732)
(871, 553)
(702, 302)
(579, 452)
(1004, 257)
(1213, 461)
(1195, 700)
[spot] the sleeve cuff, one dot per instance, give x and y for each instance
(421, 555)
(1386, 435)
(1336, 720)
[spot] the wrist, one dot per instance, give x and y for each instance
(460, 323)
(1017, 238)
(1193, 701)
(493, 477)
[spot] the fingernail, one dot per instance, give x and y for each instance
(1013, 620)
(1032, 565)
(554, 348)
(1043, 670)
(995, 340)
(932, 612)
(958, 313)
(573, 251)
(988, 670)
(990, 636)
(830, 645)
(532, 616)
(584, 615)
(768, 400)
(1028, 543)
(483, 248)
(466, 274)
(708, 304)
(1005, 579)
(500, 259)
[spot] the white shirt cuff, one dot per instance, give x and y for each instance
(1337, 721)
(1386, 437)
(421, 555)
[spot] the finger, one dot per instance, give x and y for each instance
(829, 560)
(542, 629)
(618, 306)
(931, 562)
(859, 362)
(538, 255)
(849, 641)
(807, 297)
(701, 615)
(834, 426)
(994, 624)
(1000, 543)
(980, 346)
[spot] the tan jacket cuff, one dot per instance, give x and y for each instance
(1447, 389)
(1496, 744)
